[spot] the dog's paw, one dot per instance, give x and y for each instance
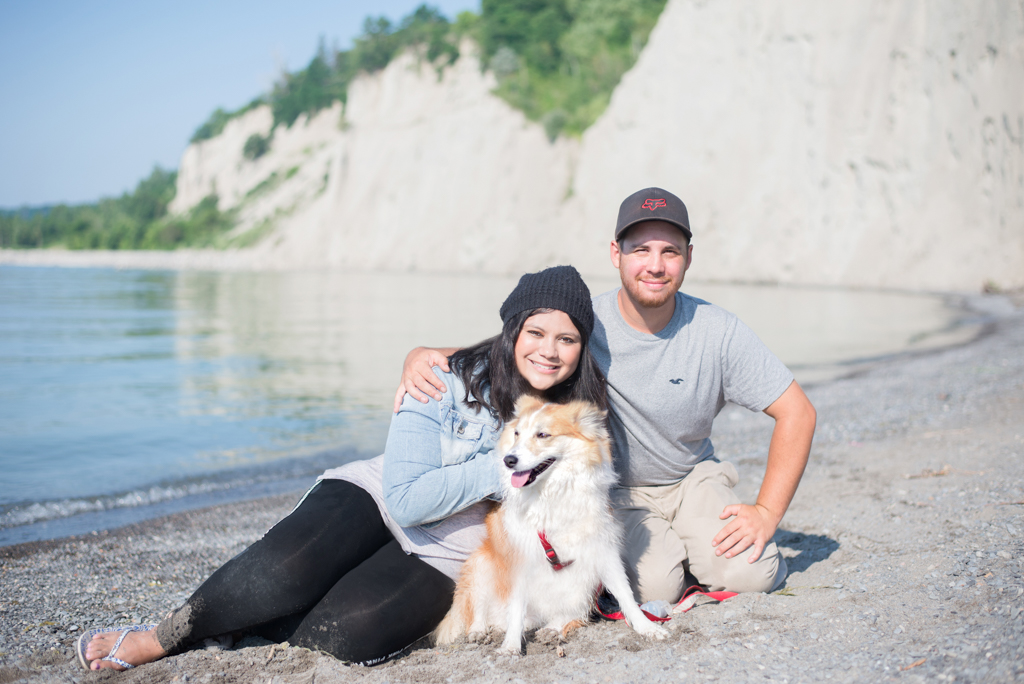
(651, 630)
(548, 636)
(493, 635)
(483, 635)
(511, 647)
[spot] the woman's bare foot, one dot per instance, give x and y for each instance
(137, 648)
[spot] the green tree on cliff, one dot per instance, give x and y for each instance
(556, 60)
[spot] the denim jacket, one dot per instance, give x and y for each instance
(438, 459)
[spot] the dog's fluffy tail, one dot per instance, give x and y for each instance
(456, 623)
(449, 631)
(476, 572)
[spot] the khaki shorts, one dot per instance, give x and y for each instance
(669, 528)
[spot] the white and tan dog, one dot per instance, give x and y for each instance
(553, 541)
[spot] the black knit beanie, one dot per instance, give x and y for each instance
(558, 287)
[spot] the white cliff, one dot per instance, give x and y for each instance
(875, 144)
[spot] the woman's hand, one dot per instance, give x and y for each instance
(418, 380)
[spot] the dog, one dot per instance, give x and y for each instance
(553, 541)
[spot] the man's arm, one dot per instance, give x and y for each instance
(755, 525)
(417, 378)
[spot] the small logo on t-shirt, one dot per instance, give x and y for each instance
(676, 381)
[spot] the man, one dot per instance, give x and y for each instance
(672, 362)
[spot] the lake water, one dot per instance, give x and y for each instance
(130, 394)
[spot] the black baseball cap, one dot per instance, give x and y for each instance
(652, 204)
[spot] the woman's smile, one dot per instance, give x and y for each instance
(544, 367)
(548, 349)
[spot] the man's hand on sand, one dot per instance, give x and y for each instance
(418, 380)
(752, 526)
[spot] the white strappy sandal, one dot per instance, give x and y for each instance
(83, 643)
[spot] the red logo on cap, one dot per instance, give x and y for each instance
(653, 204)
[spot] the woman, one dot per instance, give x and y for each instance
(366, 563)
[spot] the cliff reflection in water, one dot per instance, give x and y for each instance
(823, 333)
(325, 348)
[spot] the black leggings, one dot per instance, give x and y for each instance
(330, 577)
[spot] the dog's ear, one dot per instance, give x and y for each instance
(592, 424)
(527, 402)
(590, 419)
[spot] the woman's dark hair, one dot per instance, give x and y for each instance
(488, 371)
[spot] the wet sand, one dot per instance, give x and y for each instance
(905, 544)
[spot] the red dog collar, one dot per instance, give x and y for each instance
(549, 551)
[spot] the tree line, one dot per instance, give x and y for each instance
(135, 220)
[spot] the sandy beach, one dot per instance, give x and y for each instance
(905, 544)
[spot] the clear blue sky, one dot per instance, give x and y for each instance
(95, 93)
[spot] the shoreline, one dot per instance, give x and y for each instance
(247, 259)
(171, 260)
(905, 544)
(118, 509)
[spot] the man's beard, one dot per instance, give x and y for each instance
(647, 299)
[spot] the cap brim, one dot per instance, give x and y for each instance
(677, 224)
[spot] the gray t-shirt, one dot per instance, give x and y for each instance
(666, 389)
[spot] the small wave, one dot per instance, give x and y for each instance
(49, 510)
(28, 513)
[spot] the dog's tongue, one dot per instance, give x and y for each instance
(519, 478)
